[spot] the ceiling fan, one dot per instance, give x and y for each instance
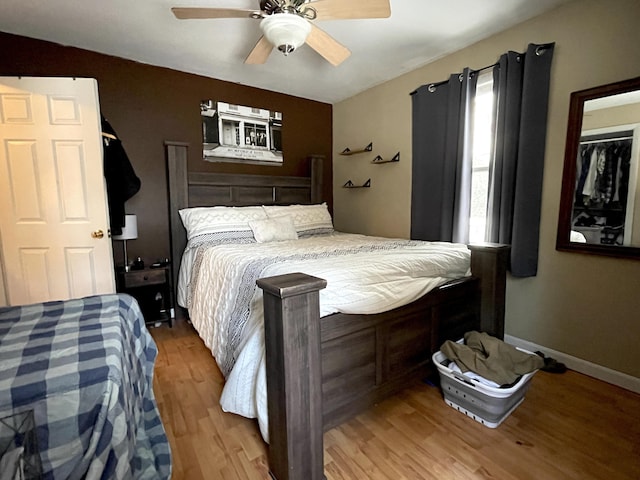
(287, 24)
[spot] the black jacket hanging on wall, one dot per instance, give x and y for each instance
(122, 181)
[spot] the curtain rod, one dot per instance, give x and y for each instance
(540, 49)
(432, 86)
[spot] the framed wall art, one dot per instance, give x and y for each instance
(237, 133)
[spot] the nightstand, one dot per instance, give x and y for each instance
(151, 287)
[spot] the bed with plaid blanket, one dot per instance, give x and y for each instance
(85, 369)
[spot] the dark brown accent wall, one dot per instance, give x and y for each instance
(147, 105)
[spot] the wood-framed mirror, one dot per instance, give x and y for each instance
(600, 199)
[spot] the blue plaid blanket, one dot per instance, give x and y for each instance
(85, 368)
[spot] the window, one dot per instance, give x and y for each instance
(483, 134)
(507, 156)
(255, 134)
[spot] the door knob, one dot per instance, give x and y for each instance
(97, 234)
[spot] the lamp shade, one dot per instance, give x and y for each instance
(285, 31)
(130, 229)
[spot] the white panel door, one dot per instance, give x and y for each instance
(53, 217)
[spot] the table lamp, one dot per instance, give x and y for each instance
(129, 232)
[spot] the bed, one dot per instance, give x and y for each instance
(83, 370)
(317, 379)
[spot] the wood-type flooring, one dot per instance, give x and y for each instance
(570, 426)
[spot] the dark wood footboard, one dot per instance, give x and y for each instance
(337, 367)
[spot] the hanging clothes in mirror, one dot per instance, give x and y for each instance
(602, 185)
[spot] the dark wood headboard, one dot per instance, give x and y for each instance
(204, 189)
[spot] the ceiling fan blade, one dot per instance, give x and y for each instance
(189, 13)
(351, 9)
(260, 52)
(334, 52)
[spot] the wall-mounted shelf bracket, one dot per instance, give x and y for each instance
(350, 184)
(379, 159)
(348, 151)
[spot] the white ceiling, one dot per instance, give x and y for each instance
(418, 32)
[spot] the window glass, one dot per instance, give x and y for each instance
(483, 134)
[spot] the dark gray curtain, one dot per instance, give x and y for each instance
(441, 176)
(441, 185)
(521, 86)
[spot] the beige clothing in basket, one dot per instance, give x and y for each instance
(491, 358)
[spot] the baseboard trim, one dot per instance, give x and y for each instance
(605, 374)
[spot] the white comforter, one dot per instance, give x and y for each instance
(364, 275)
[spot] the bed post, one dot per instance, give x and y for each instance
(489, 264)
(294, 375)
(178, 193)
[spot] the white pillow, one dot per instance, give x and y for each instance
(274, 229)
(220, 220)
(308, 219)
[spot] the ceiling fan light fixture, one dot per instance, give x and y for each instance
(286, 31)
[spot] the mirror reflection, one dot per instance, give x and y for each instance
(606, 172)
(600, 206)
